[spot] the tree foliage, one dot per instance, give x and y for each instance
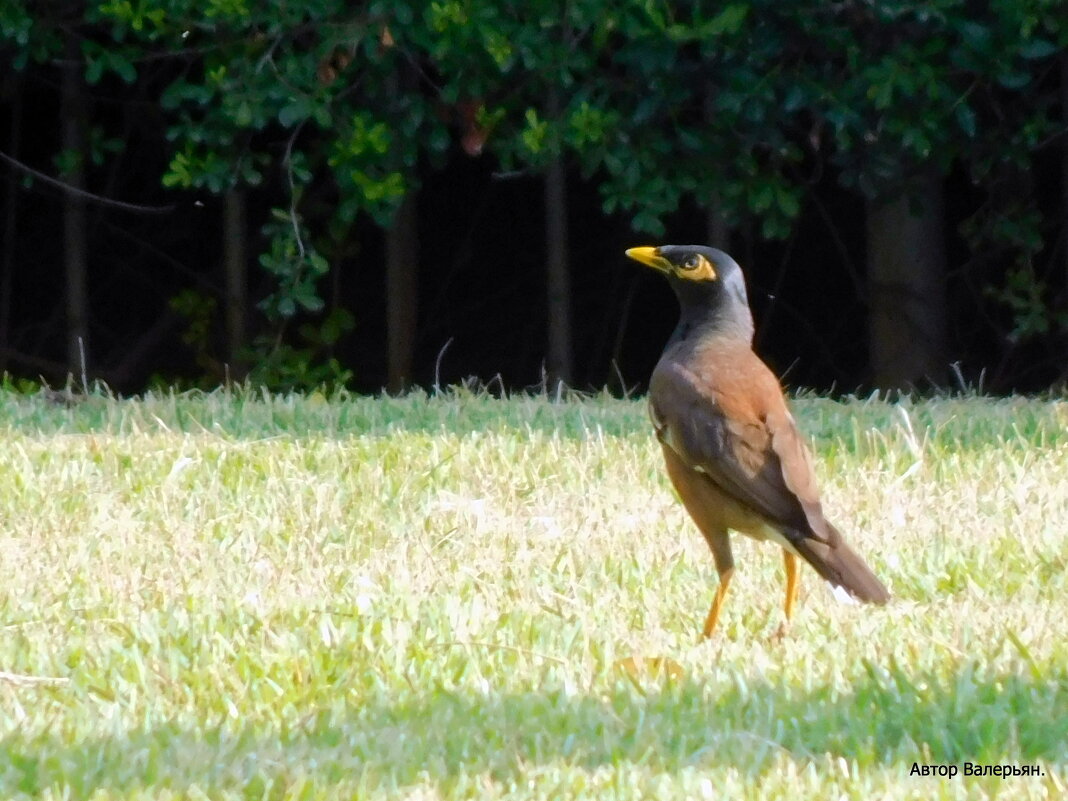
(744, 104)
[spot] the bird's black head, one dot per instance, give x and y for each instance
(709, 284)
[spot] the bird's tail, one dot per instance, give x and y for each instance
(840, 565)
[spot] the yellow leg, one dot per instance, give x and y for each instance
(717, 602)
(791, 581)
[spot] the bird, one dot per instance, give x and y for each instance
(731, 447)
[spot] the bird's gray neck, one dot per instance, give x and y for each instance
(729, 317)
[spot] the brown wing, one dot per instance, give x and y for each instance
(739, 433)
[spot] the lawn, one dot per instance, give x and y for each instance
(241, 596)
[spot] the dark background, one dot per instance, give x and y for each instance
(482, 286)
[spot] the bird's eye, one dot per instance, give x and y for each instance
(692, 262)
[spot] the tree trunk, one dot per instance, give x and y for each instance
(1064, 165)
(234, 266)
(559, 365)
(906, 287)
(74, 229)
(717, 233)
(402, 274)
(14, 143)
(717, 230)
(1062, 380)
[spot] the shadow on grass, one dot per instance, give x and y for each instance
(887, 719)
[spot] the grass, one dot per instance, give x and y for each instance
(238, 596)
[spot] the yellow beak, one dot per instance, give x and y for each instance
(651, 258)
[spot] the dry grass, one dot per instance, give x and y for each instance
(254, 597)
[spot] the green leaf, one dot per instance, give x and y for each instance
(965, 119)
(124, 68)
(94, 70)
(1014, 80)
(649, 223)
(337, 323)
(1034, 49)
(795, 99)
(729, 20)
(307, 298)
(976, 36)
(881, 94)
(788, 201)
(761, 197)
(67, 161)
(535, 133)
(293, 112)
(243, 114)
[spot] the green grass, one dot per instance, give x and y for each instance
(220, 596)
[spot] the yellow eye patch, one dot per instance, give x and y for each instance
(697, 268)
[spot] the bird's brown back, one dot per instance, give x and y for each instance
(759, 450)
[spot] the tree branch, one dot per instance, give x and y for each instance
(72, 190)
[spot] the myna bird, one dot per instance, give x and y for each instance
(731, 446)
